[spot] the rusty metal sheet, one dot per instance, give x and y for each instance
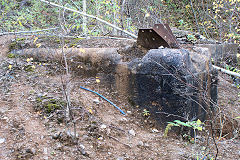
(166, 33)
(159, 35)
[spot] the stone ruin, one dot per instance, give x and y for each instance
(170, 83)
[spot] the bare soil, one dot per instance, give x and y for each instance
(28, 130)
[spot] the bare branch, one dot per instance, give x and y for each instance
(23, 32)
(91, 16)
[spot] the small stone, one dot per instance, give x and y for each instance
(146, 145)
(108, 131)
(33, 150)
(82, 149)
(120, 158)
(5, 118)
(202, 37)
(56, 135)
(82, 146)
(123, 119)
(96, 101)
(2, 140)
(59, 146)
(154, 130)
(100, 138)
(45, 150)
(28, 150)
(132, 132)
(129, 112)
(39, 95)
(85, 136)
(140, 143)
(45, 158)
(161, 47)
(103, 126)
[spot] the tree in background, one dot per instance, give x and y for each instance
(218, 19)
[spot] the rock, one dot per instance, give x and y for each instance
(140, 143)
(45, 150)
(33, 150)
(45, 157)
(96, 101)
(56, 135)
(146, 145)
(132, 132)
(123, 119)
(39, 95)
(2, 140)
(129, 112)
(100, 138)
(103, 126)
(81, 148)
(120, 158)
(161, 47)
(85, 136)
(5, 118)
(59, 146)
(154, 130)
(108, 131)
(29, 150)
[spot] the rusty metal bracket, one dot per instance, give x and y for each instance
(159, 35)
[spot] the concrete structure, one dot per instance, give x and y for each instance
(170, 83)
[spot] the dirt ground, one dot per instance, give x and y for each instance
(32, 123)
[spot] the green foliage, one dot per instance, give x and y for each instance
(11, 55)
(48, 105)
(29, 68)
(169, 127)
(188, 138)
(145, 113)
(19, 15)
(213, 19)
(196, 125)
(191, 38)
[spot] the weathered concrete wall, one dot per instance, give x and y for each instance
(222, 52)
(170, 83)
(87, 61)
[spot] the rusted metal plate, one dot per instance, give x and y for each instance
(149, 39)
(166, 33)
(159, 35)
